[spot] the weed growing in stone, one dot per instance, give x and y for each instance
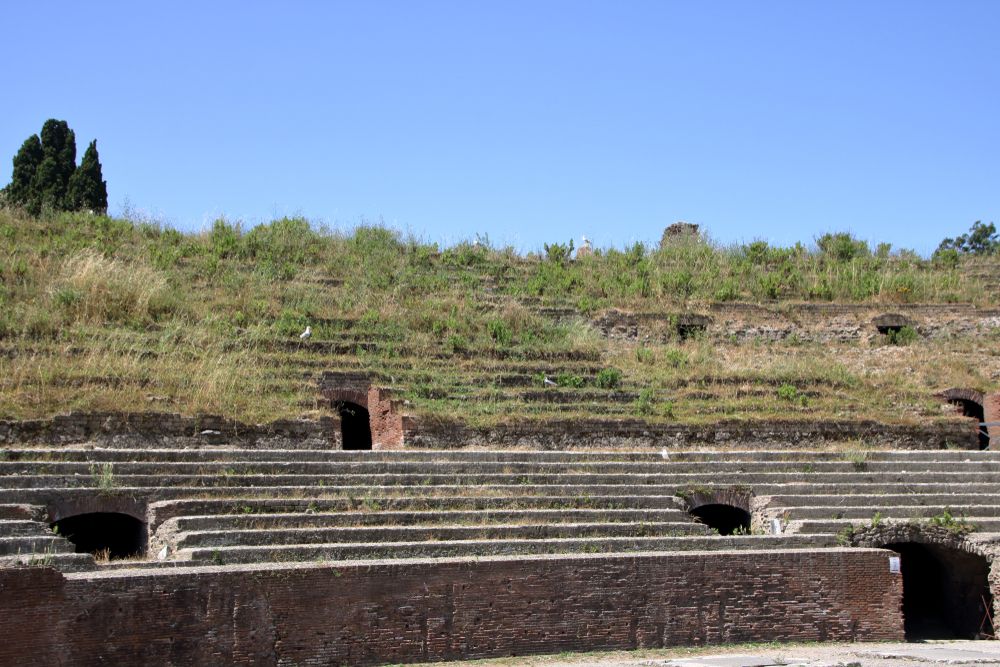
(858, 459)
(103, 476)
(956, 525)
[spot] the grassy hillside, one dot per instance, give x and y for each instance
(103, 313)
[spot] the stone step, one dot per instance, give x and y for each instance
(472, 548)
(379, 534)
(34, 545)
(377, 467)
(576, 495)
(23, 528)
(678, 480)
(864, 512)
(251, 508)
(241, 455)
(973, 523)
(16, 511)
(304, 519)
(938, 497)
(64, 562)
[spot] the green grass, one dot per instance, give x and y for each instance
(100, 313)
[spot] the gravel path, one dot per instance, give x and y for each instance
(769, 655)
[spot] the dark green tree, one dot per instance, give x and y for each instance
(20, 191)
(46, 176)
(51, 182)
(981, 240)
(87, 189)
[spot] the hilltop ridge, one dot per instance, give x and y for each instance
(103, 313)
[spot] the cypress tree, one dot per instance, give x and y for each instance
(87, 189)
(46, 176)
(20, 191)
(58, 163)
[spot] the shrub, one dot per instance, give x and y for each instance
(569, 380)
(644, 355)
(790, 393)
(608, 378)
(225, 239)
(559, 253)
(676, 358)
(500, 332)
(645, 402)
(727, 291)
(902, 336)
(842, 247)
(946, 258)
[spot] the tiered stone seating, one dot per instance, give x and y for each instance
(218, 506)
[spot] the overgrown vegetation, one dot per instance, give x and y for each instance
(103, 313)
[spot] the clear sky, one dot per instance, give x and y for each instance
(532, 121)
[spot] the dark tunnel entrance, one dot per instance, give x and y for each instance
(946, 592)
(104, 534)
(727, 519)
(355, 427)
(975, 410)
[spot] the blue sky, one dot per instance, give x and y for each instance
(530, 122)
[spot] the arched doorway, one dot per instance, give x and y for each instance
(105, 534)
(970, 403)
(975, 410)
(946, 591)
(726, 519)
(355, 426)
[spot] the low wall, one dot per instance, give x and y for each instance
(407, 611)
(635, 433)
(129, 429)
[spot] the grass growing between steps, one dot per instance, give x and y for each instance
(101, 313)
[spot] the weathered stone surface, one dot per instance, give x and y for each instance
(626, 433)
(369, 613)
(125, 429)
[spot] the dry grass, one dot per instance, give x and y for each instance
(102, 314)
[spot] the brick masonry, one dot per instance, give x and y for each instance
(991, 412)
(361, 614)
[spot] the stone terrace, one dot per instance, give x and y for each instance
(222, 506)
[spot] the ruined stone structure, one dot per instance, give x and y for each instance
(369, 536)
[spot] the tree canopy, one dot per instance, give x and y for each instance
(981, 240)
(46, 177)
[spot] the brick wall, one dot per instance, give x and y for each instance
(991, 412)
(419, 611)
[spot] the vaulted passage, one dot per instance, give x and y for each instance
(355, 427)
(117, 535)
(944, 591)
(975, 410)
(727, 519)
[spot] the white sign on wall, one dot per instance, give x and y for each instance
(895, 564)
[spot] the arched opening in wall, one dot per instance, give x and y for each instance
(946, 592)
(355, 426)
(726, 519)
(971, 408)
(109, 535)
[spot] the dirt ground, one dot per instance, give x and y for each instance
(910, 654)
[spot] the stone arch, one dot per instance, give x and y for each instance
(948, 581)
(888, 323)
(115, 526)
(971, 404)
(726, 510)
(351, 406)
(357, 402)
